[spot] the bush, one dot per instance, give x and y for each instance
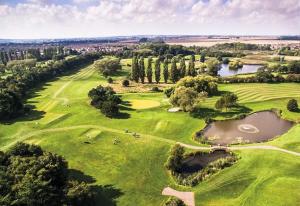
(125, 83)
(169, 91)
(110, 80)
(292, 105)
(155, 89)
(173, 201)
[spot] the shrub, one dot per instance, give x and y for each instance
(155, 89)
(173, 201)
(292, 105)
(110, 80)
(175, 159)
(169, 91)
(125, 83)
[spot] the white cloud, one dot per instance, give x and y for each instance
(41, 18)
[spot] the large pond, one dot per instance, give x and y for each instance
(257, 127)
(247, 68)
(200, 160)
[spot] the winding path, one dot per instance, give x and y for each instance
(50, 130)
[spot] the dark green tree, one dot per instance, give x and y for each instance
(202, 57)
(157, 71)
(149, 70)
(182, 68)
(166, 70)
(142, 69)
(174, 161)
(292, 105)
(174, 71)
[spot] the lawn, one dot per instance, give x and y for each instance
(63, 122)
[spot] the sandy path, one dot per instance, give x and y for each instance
(187, 197)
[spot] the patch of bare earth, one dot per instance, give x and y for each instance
(187, 197)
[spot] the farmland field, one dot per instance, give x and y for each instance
(63, 121)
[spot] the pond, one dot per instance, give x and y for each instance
(257, 127)
(247, 68)
(200, 160)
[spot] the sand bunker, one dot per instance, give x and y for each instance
(143, 104)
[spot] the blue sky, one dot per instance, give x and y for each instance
(95, 18)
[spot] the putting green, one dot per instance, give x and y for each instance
(143, 104)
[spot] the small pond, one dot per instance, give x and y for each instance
(247, 68)
(200, 160)
(257, 127)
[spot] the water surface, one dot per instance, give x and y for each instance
(247, 68)
(200, 160)
(257, 127)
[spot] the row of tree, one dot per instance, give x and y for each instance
(14, 88)
(32, 53)
(177, 70)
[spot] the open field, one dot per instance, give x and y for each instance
(63, 121)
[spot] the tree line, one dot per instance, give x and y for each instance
(13, 88)
(162, 68)
(55, 53)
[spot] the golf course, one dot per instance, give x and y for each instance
(128, 153)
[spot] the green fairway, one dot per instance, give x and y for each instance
(63, 121)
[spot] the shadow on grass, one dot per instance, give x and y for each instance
(202, 113)
(30, 114)
(105, 195)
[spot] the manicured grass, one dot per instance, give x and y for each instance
(65, 123)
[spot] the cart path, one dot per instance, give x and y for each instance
(20, 137)
(187, 197)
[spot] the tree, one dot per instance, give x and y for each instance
(149, 70)
(108, 65)
(182, 68)
(191, 68)
(109, 109)
(79, 193)
(174, 161)
(33, 177)
(135, 71)
(213, 66)
(200, 83)
(10, 105)
(174, 71)
(226, 101)
(166, 70)
(142, 70)
(186, 98)
(202, 57)
(105, 99)
(157, 71)
(292, 105)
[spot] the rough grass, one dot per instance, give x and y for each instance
(63, 121)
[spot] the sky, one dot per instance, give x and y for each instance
(29, 19)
